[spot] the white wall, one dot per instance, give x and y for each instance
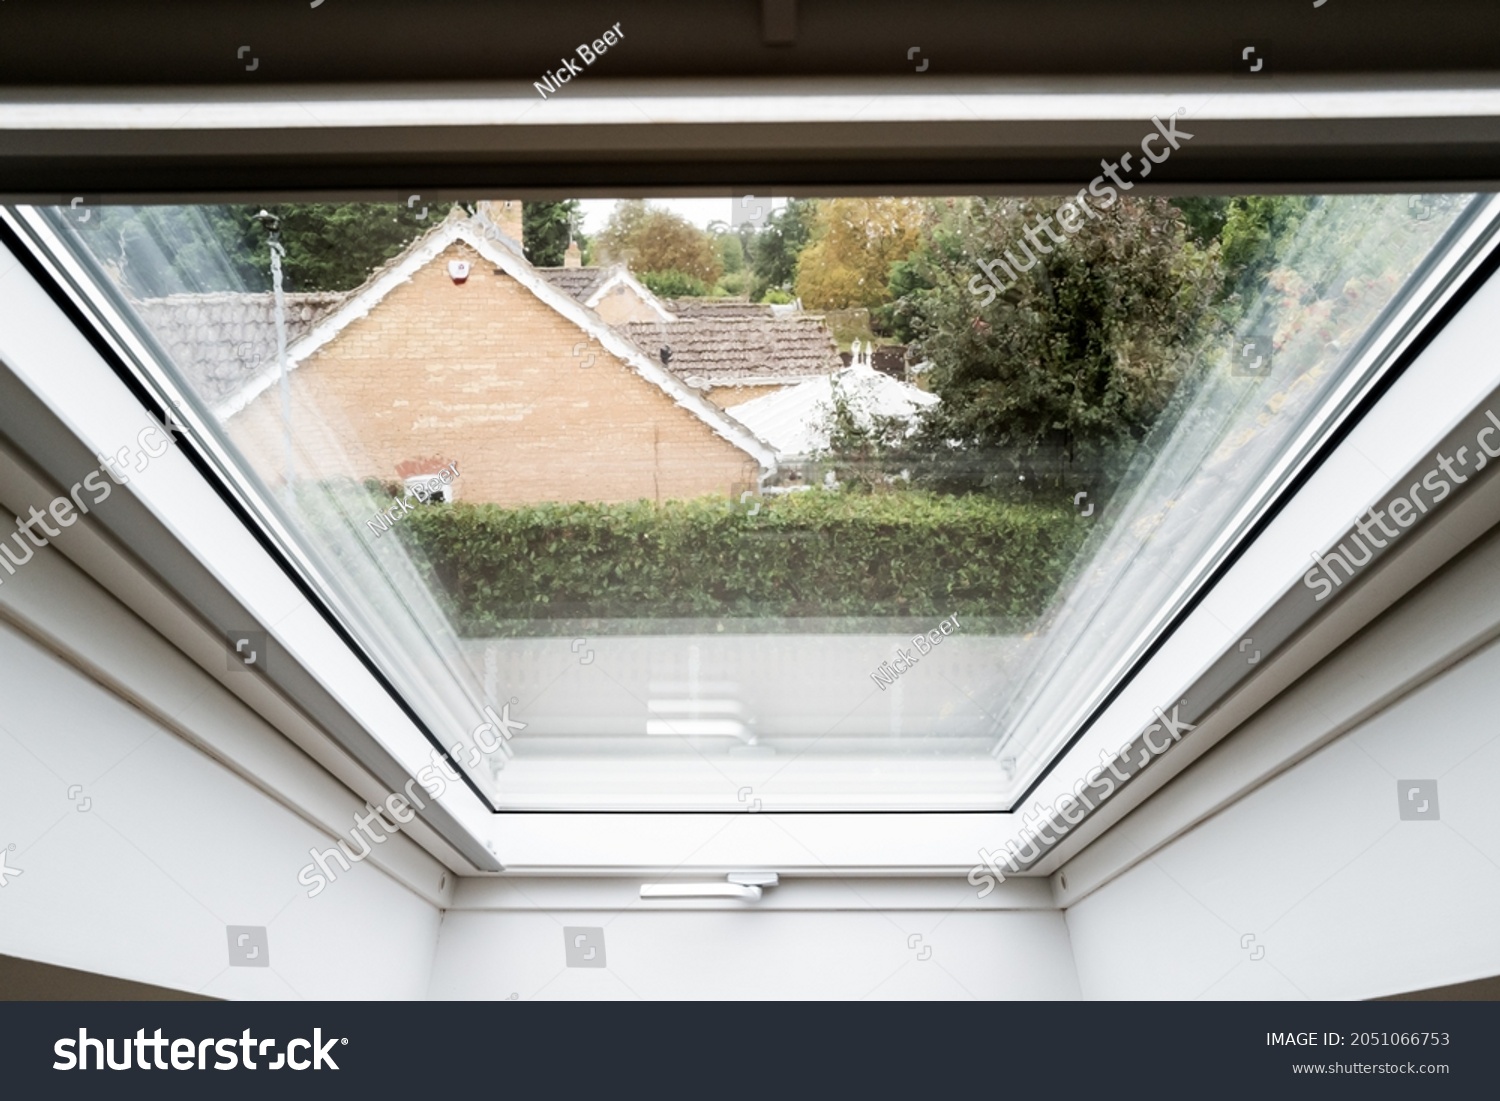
(1346, 898)
(806, 939)
(173, 848)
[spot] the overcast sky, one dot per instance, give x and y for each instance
(698, 211)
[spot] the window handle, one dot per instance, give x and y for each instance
(746, 886)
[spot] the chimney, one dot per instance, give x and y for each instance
(505, 214)
(572, 258)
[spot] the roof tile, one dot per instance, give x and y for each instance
(722, 350)
(576, 283)
(220, 340)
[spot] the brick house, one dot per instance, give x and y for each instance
(729, 349)
(459, 349)
(612, 293)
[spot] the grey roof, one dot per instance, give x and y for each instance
(717, 307)
(723, 350)
(795, 420)
(221, 340)
(576, 283)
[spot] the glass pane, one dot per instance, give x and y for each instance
(847, 503)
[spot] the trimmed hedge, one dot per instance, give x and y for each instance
(806, 555)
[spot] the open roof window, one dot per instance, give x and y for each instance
(860, 505)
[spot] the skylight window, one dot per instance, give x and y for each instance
(831, 513)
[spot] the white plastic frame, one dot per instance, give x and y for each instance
(40, 343)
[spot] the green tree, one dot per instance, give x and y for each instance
(675, 284)
(894, 318)
(732, 245)
(1203, 216)
(865, 450)
(1254, 233)
(775, 249)
(156, 251)
(546, 230)
(731, 253)
(649, 238)
(1080, 355)
(173, 250)
(1257, 230)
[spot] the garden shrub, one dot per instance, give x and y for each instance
(812, 555)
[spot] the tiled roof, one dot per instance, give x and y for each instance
(717, 307)
(220, 340)
(576, 283)
(721, 350)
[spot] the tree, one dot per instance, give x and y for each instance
(156, 251)
(1256, 229)
(894, 318)
(648, 238)
(329, 246)
(1203, 215)
(1080, 355)
(1252, 231)
(675, 284)
(854, 244)
(774, 250)
(865, 449)
(546, 230)
(732, 245)
(731, 253)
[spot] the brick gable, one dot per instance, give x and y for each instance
(486, 373)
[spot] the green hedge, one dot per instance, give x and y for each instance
(908, 554)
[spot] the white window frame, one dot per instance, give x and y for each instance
(41, 344)
(442, 491)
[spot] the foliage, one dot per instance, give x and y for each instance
(1256, 229)
(894, 317)
(809, 554)
(546, 230)
(674, 284)
(847, 326)
(1081, 355)
(866, 451)
(165, 250)
(1332, 270)
(854, 244)
(731, 252)
(773, 251)
(735, 284)
(649, 238)
(1203, 216)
